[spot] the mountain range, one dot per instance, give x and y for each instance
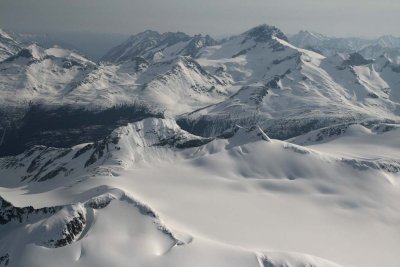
(174, 150)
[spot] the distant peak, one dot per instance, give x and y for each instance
(148, 33)
(308, 33)
(264, 33)
(4, 34)
(156, 37)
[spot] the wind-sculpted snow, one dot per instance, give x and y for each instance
(60, 226)
(277, 259)
(328, 193)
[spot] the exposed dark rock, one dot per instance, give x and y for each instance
(67, 64)
(243, 52)
(279, 61)
(396, 69)
(5, 260)
(51, 174)
(273, 83)
(357, 59)
(24, 53)
(195, 44)
(83, 150)
(73, 228)
(100, 148)
(373, 95)
(9, 213)
(264, 33)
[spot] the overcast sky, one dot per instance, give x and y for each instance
(217, 17)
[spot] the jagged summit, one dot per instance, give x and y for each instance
(195, 44)
(154, 46)
(264, 33)
(144, 44)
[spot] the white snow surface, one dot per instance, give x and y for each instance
(241, 201)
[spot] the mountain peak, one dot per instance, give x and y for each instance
(388, 41)
(264, 33)
(145, 44)
(310, 34)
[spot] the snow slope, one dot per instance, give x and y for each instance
(8, 46)
(179, 200)
(43, 74)
(176, 86)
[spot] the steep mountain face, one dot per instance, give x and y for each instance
(154, 46)
(41, 74)
(40, 101)
(127, 145)
(289, 91)
(56, 86)
(8, 46)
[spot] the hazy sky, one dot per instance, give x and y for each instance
(217, 17)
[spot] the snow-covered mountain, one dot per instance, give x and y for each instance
(42, 74)
(68, 83)
(8, 46)
(153, 193)
(92, 44)
(179, 150)
(326, 45)
(154, 46)
(308, 40)
(290, 91)
(329, 46)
